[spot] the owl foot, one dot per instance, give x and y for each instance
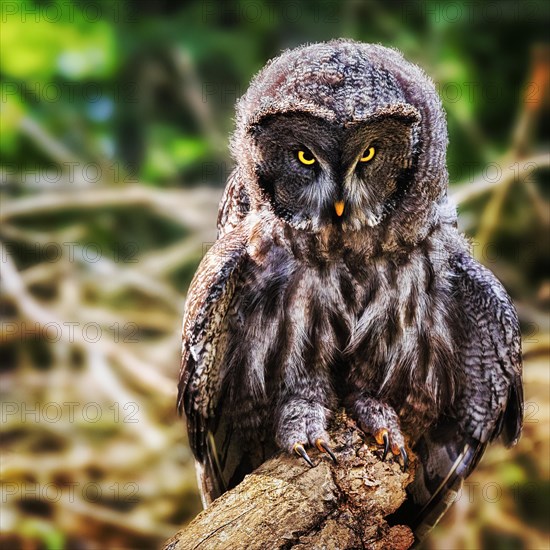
(302, 423)
(381, 421)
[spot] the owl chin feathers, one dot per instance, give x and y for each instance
(373, 220)
(349, 225)
(356, 220)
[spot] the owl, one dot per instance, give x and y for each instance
(339, 280)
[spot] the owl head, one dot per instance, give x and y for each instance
(345, 136)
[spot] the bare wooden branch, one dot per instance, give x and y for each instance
(465, 192)
(183, 206)
(286, 504)
(29, 308)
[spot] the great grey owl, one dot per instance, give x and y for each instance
(339, 279)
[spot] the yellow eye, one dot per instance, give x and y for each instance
(368, 155)
(305, 157)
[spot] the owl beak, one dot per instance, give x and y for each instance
(339, 207)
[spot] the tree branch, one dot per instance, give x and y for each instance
(285, 503)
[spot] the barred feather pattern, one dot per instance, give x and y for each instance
(295, 312)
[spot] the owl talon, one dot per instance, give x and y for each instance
(324, 447)
(299, 450)
(386, 439)
(405, 458)
(382, 437)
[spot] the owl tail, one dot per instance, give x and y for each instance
(445, 461)
(226, 459)
(224, 463)
(210, 474)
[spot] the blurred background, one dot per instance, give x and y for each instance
(115, 119)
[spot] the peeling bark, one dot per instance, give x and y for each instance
(286, 504)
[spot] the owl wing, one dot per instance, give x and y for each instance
(491, 402)
(492, 399)
(234, 205)
(205, 338)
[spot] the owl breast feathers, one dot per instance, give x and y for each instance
(339, 279)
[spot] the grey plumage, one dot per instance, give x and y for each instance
(299, 309)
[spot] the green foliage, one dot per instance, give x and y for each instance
(59, 41)
(144, 93)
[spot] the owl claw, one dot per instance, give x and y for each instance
(382, 436)
(324, 447)
(405, 458)
(299, 450)
(386, 439)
